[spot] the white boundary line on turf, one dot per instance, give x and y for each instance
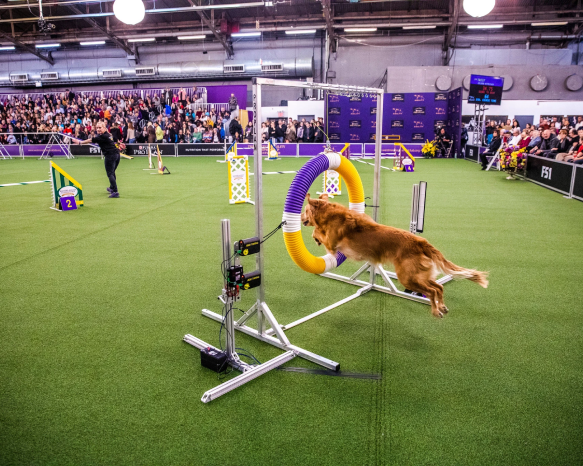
(23, 183)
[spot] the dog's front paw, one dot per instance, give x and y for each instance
(437, 313)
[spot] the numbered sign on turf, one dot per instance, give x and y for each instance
(68, 203)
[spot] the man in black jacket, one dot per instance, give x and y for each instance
(309, 133)
(492, 149)
(235, 128)
(110, 153)
(547, 145)
(318, 133)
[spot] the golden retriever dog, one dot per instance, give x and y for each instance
(360, 238)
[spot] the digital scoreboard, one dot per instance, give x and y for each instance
(485, 89)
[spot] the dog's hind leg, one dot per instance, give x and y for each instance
(418, 280)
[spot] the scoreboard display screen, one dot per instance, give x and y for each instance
(485, 89)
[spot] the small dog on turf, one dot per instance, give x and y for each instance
(360, 238)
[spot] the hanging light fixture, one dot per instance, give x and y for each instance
(478, 8)
(129, 11)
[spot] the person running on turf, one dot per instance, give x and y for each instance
(110, 153)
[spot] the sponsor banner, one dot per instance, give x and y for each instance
(420, 97)
(578, 186)
(309, 149)
(418, 137)
(196, 150)
(354, 123)
(286, 149)
(418, 110)
(85, 151)
(398, 98)
(473, 152)
(355, 98)
(334, 111)
(441, 96)
(137, 150)
(549, 173)
(36, 150)
(397, 123)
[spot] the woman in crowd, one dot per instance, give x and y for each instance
(524, 139)
(131, 132)
(492, 148)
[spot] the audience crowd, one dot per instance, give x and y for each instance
(168, 117)
(551, 138)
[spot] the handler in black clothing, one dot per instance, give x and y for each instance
(492, 148)
(110, 153)
(443, 141)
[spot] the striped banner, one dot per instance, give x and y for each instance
(25, 182)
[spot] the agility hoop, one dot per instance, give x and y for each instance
(294, 202)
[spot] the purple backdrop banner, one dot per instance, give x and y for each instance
(454, 119)
(408, 117)
(222, 94)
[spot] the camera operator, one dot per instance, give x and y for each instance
(443, 141)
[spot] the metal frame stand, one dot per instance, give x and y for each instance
(268, 329)
(228, 297)
(479, 118)
(54, 140)
(4, 152)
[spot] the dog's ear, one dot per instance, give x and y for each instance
(323, 197)
(312, 202)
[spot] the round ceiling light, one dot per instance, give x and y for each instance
(478, 8)
(129, 11)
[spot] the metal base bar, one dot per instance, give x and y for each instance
(302, 353)
(322, 311)
(247, 376)
(249, 372)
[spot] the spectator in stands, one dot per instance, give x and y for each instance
(159, 132)
(300, 129)
(515, 125)
(535, 140)
(208, 135)
(131, 137)
(233, 104)
(235, 129)
(151, 133)
(492, 149)
(547, 144)
(516, 137)
(226, 125)
(561, 144)
(279, 131)
(264, 130)
(579, 123)
(490, 130)
(271, 132)
(318, 133)
(574, 149)
(524, 139)
(290, 134)
(309, 133)
(248, 132)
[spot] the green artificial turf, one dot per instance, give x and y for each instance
(94, 304)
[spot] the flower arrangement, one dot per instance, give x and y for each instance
(429, 149)
(512, 160)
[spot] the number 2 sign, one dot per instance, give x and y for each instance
(68, 203)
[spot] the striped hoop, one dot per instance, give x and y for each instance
(295, 200)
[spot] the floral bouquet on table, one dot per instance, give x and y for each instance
(513, 159)
(429, 149)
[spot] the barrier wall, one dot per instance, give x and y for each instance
(577, 191)
(473, 152)
(552, 174)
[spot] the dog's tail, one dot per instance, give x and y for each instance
(455, 271)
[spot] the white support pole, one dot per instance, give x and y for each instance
(258, 179)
